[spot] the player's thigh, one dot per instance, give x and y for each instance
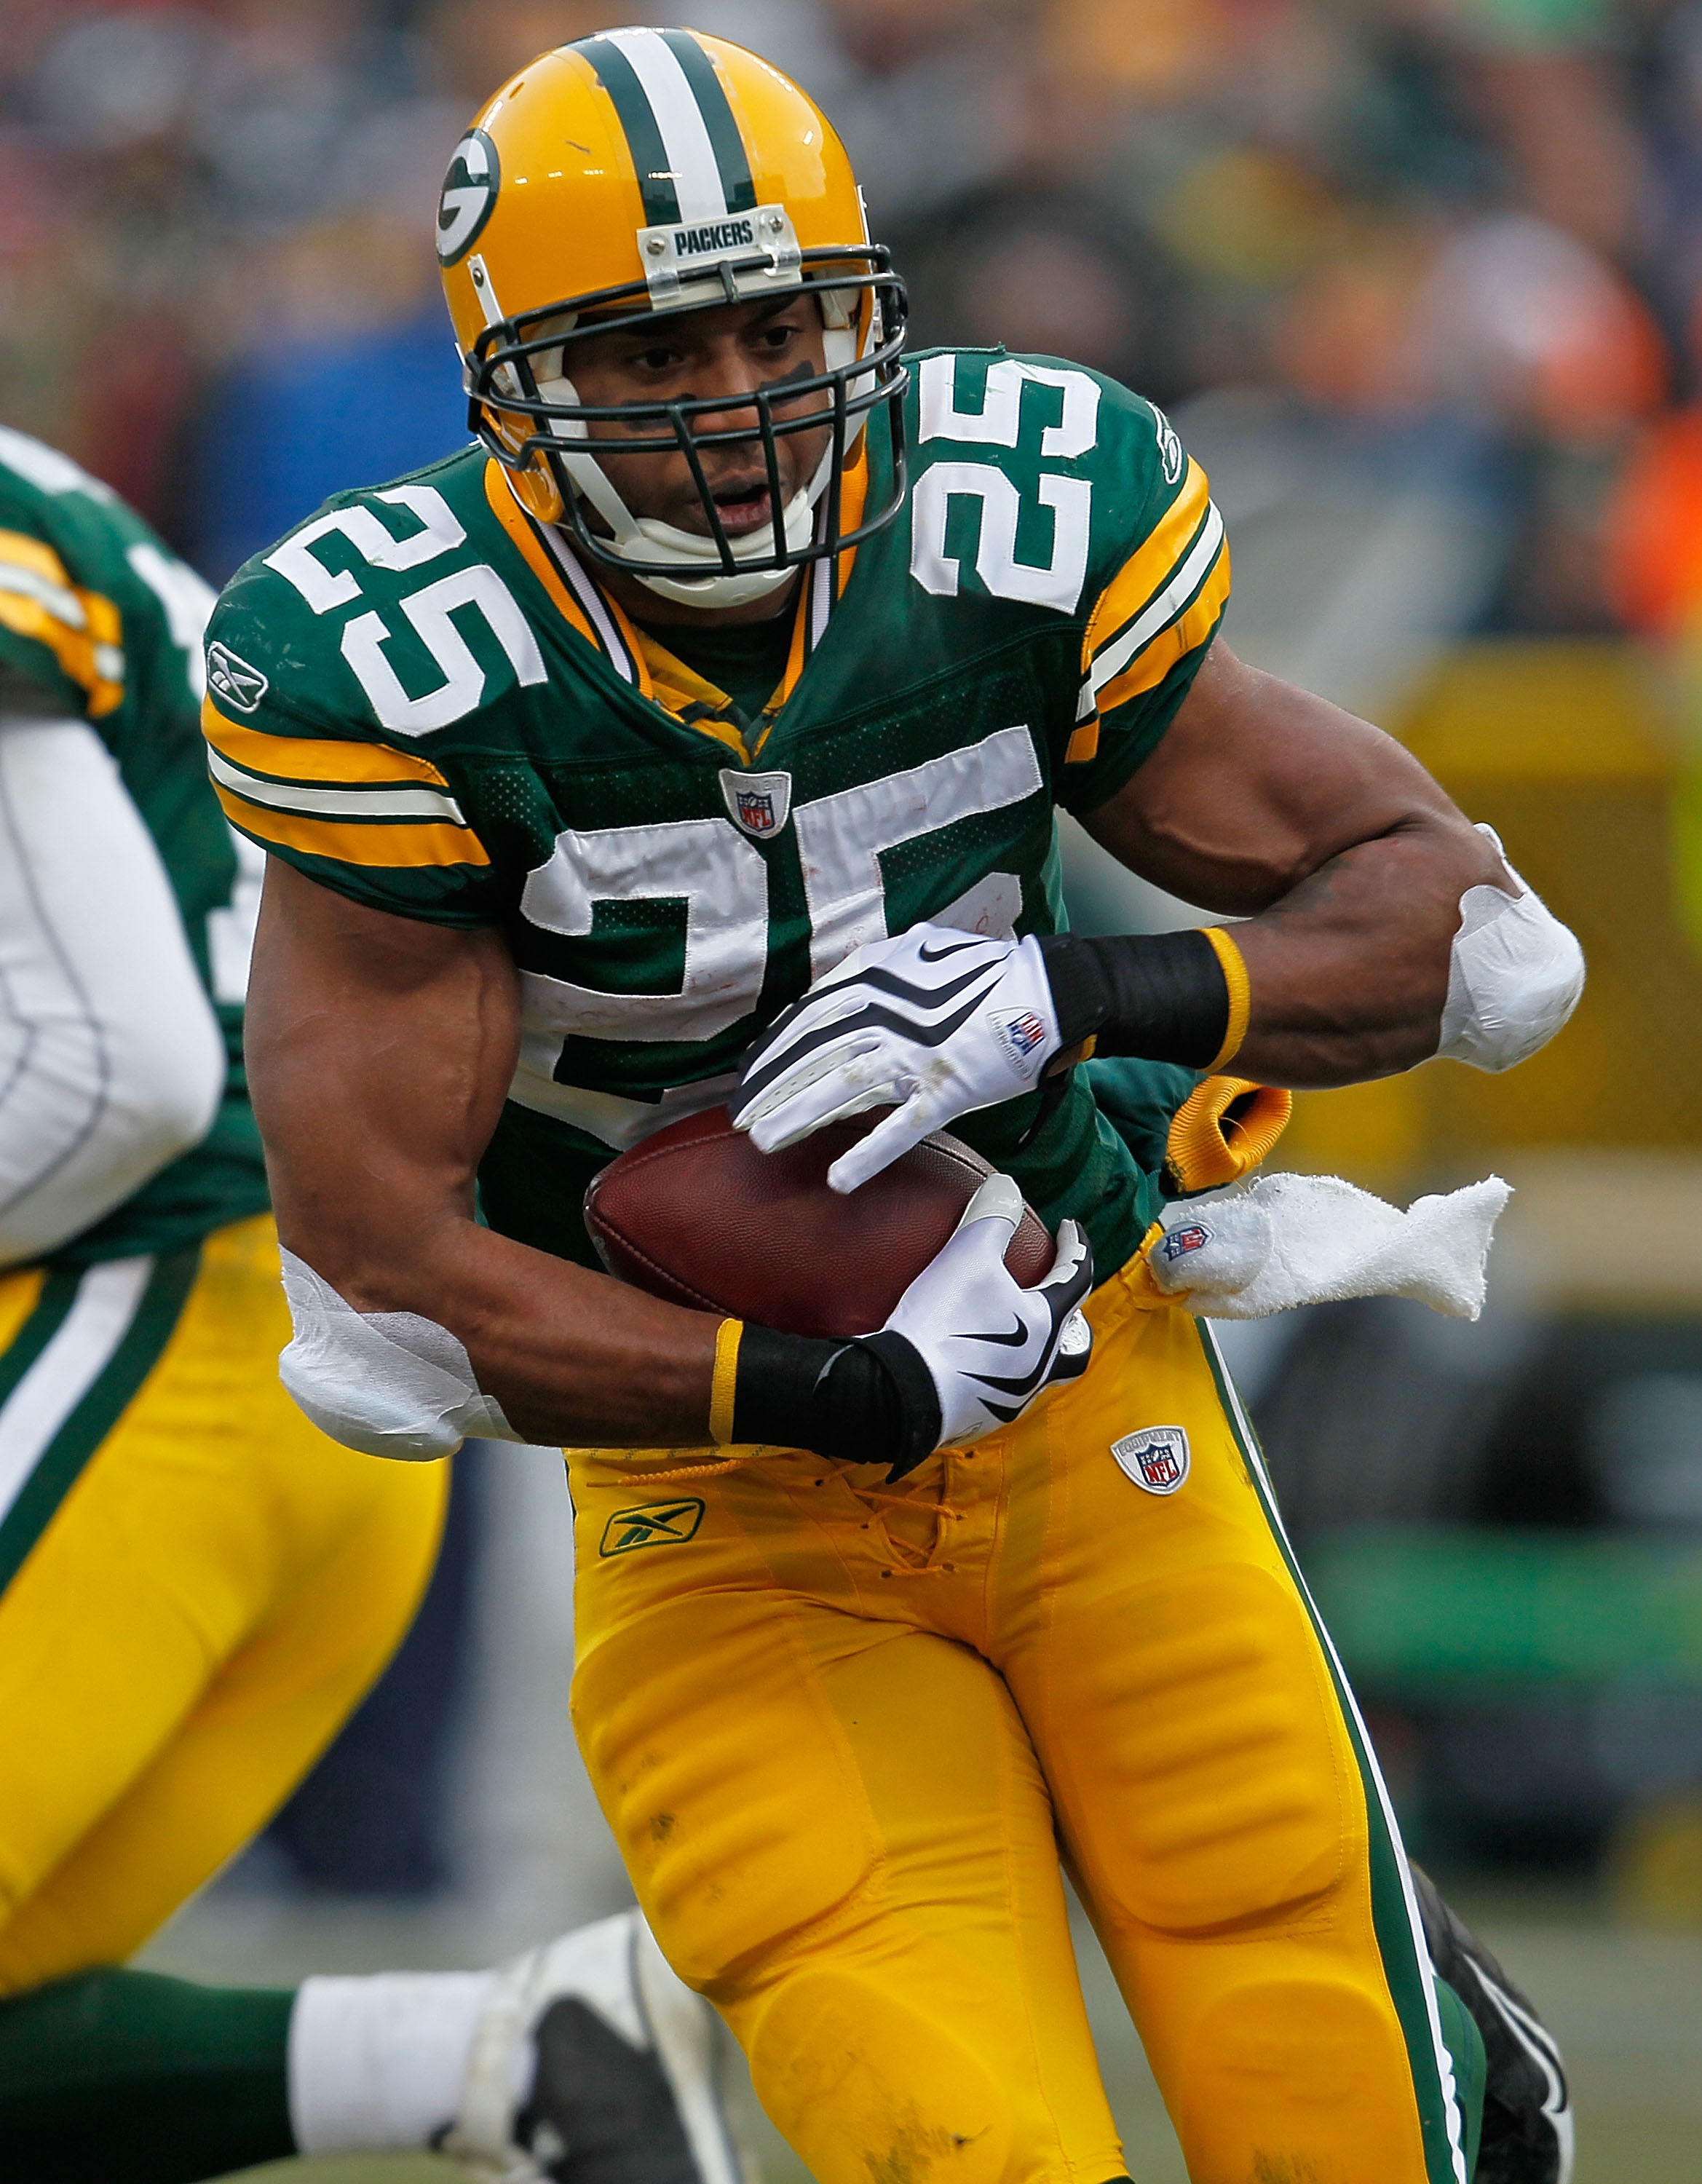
(212, 1571)
(839, 1829)
(1212, 1787)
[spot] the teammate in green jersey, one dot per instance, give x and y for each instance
(548, 868)
(196, 1586)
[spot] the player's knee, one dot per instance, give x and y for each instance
(1225, 1793)
(1286, 2078)
(865, 2083)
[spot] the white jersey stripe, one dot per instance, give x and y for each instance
(31, 584)
(692, 161)
(406, 800)
(76, 1356)
(620, 655)
(1155, 617)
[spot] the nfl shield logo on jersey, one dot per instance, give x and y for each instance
(759, 803)
(1156, 1458)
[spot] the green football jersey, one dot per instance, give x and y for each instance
(423, 700)
(100, 622)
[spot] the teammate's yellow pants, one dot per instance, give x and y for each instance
(196, 1589)
(841, 1736)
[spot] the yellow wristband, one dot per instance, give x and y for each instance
(1240, 996)
(727, 1336)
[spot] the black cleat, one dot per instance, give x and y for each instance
(620, 2068)
(1527, 2117)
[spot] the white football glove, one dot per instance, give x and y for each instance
(990, 1346)
(934, 1023)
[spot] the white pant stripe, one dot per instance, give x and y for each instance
(76, 1356)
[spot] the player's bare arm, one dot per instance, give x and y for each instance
(380, 1050)
(1346, 860)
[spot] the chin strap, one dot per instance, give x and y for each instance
(703, 581)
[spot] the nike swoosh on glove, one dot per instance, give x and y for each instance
(990, 1346)
(934, 1023)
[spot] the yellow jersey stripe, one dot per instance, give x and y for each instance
(89, 654)
(1124, 649)
(30, 567)
(349, 841)
(1192, 627)
(384, 800)
(1148, 568)
(305, 758)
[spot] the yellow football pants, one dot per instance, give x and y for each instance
(843, 1733)
(198, 1588)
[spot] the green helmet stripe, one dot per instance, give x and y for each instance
(731, 156)
(618, 77)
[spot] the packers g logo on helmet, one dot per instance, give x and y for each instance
(469, 192)
(640, 172)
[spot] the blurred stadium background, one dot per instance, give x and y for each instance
(1421, 283)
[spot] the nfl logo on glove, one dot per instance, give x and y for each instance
(1022, 1035)
(1156, 1458)
(1179, 1242)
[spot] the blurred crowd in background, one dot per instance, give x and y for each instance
(1459, 240)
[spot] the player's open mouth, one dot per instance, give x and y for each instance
(744, 509)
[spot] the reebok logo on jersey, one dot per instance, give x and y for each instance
(1170, 448)
(652, 1525)
(1157, 1457)
(229, 677)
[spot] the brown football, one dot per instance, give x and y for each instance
(697, 1214)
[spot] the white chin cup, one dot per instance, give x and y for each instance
(1514, 977)
(703, 581)
(385, 1382)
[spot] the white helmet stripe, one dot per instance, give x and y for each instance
(695, 171)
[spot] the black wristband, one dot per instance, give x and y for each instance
(1162, 996)
(871, 1401)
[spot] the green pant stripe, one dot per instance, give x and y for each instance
(101, 1403)
(1394, 1907)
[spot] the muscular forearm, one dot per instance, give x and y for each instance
(380, 1052)
(1343, 863)
(1347, 974)
(570, 1355)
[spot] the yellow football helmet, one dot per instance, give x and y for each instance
(647, 172)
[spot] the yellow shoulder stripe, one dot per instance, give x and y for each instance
(1151, 561)
(83, 630)
(305, 758)
(344, 841)
(35, 554)
(1148, 668)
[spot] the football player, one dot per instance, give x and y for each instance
(197, 1587)
(696, 735)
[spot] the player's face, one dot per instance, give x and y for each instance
(727, 352)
